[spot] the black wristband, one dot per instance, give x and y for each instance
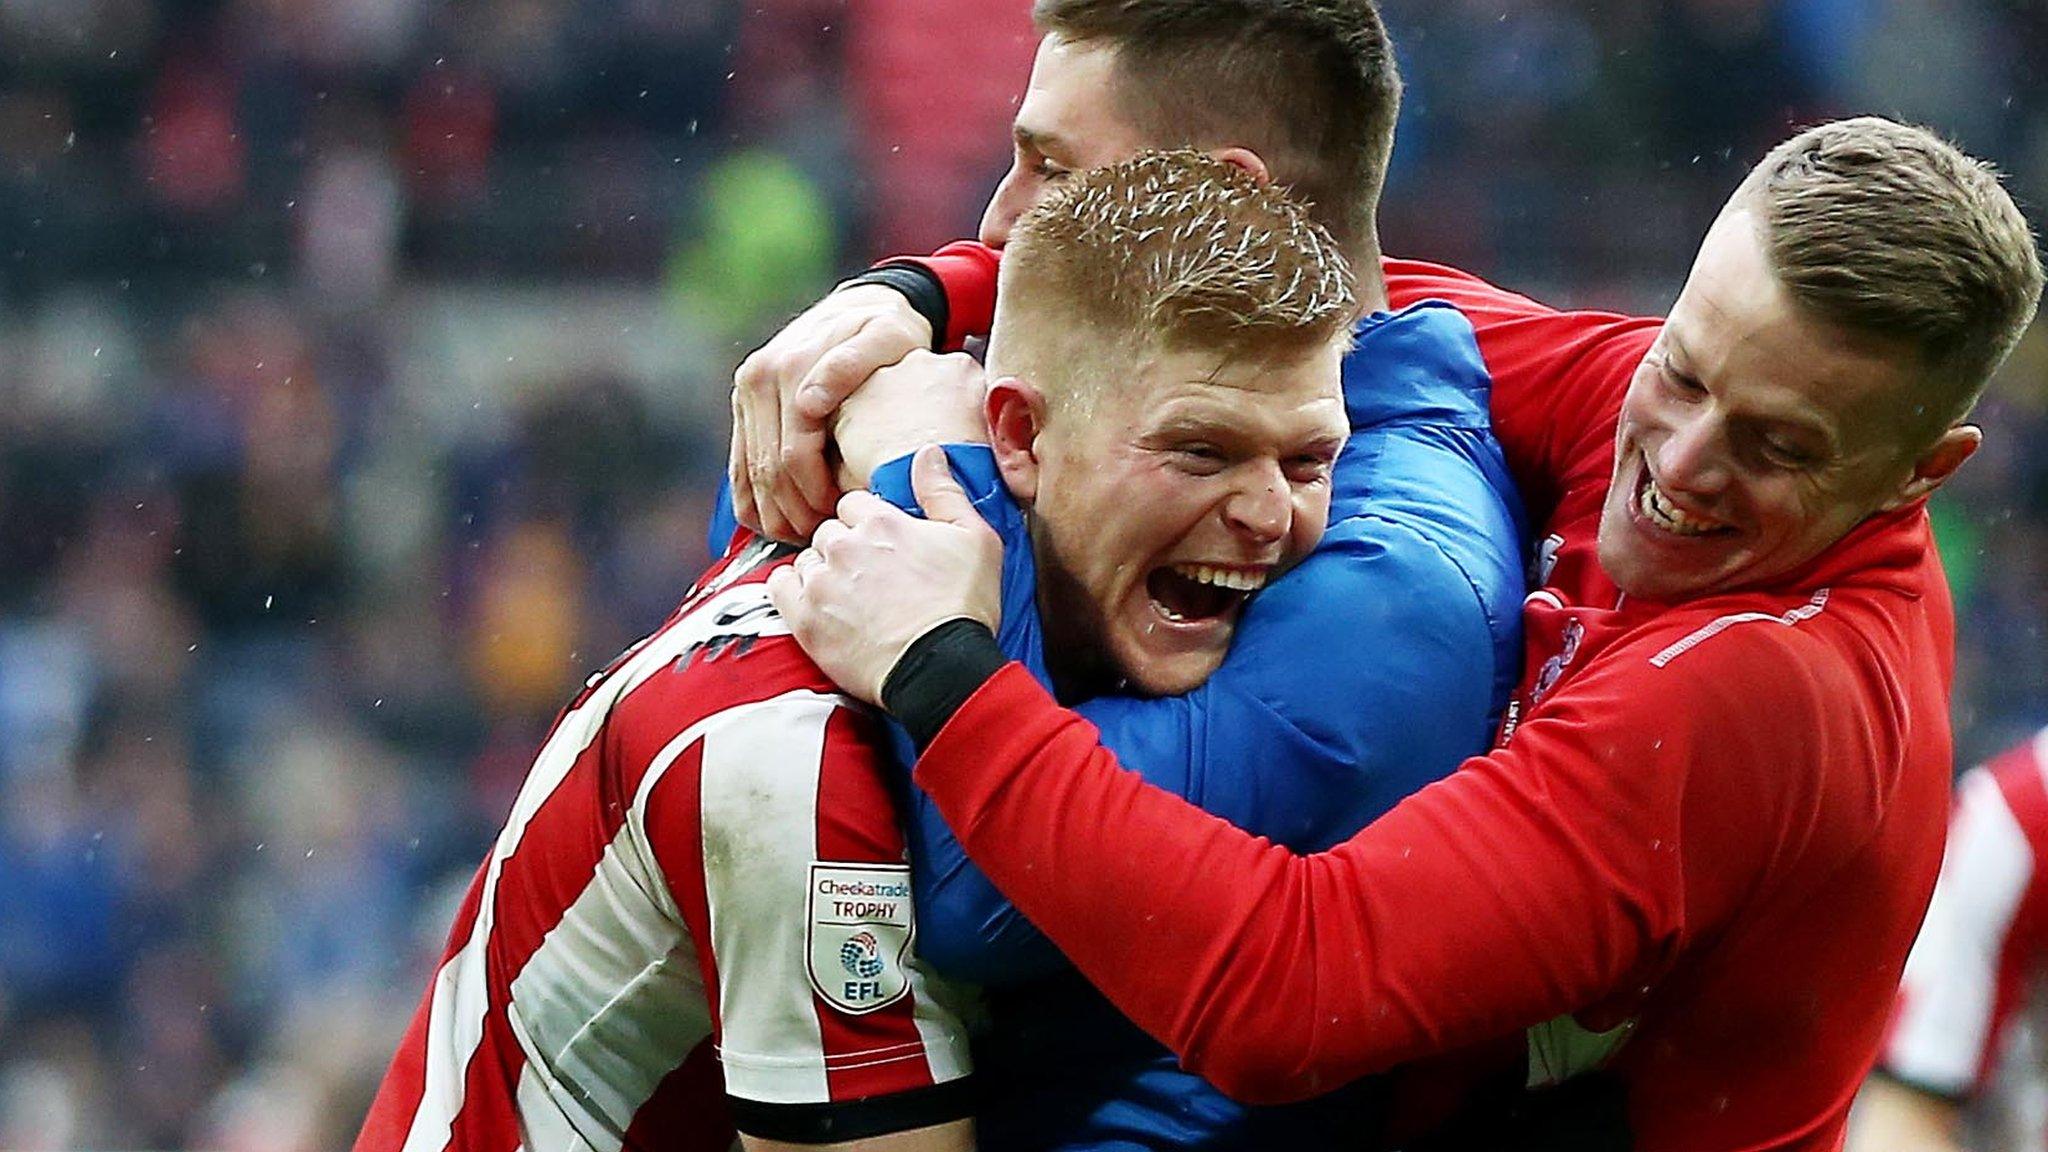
(936, 675)
(855, 1119)
(920, 286)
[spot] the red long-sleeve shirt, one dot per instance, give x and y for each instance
(1718, 820)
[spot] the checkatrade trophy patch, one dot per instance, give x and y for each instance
(859, 930)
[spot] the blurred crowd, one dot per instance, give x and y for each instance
(362, 388)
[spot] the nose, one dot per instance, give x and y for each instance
(1004, 207)
(1693, 457)
(1262, 507)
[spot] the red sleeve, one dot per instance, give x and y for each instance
(967, 271)
(1974, 963)
(1533, 882)
(1557, 376)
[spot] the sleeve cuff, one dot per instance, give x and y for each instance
(936, 675)
(832, 1123)
(920, 286)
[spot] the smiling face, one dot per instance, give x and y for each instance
(1068, 122)
(1167, 500)
(1753, 435)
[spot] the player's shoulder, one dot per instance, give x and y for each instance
(2025, 763)
(1385, 562)
(1412, 281)
(2016, 781)
(725, 647)
(1715, 636)
(1759, 669)
(1487, 305)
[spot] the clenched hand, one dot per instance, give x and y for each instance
(877, 578)
(785, 393)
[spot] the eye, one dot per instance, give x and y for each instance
(1200, 459)
(1048, 171)
(1781, 453)
(1308, 469)
(1684, 387)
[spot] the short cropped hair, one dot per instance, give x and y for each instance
(1310, 85)
(1887, 230)
(1169, 251)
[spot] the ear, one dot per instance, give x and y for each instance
(1938, 463)
(1246, 159)
(1016, 416)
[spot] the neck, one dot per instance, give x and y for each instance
(1372, 282)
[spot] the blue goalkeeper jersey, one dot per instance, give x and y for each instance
(1371, 669)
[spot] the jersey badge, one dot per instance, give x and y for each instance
(1553, 668)
(858, 934)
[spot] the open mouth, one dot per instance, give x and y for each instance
(1662, 513)
(1192, 593)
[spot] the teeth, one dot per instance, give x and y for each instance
(1236, 581)
(1669, 516)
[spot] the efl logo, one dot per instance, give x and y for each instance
(858, 933)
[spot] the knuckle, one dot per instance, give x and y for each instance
(836, 363)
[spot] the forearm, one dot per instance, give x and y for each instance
(1289, 975)
(1043, 872)
(1895, 1117)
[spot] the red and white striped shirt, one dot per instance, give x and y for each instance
(704, 854)
(1985, 940)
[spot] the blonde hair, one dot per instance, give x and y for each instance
(1886, 229)
(1174, 251)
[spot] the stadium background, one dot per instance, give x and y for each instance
(362, 386)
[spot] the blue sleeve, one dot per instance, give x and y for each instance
(724, 521)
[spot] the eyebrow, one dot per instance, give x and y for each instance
(1223, 428)
(1036, 137)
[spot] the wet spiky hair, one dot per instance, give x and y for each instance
(1181, 251)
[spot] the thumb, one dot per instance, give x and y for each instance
(938, 493)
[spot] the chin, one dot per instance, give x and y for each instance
(1170, 677)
